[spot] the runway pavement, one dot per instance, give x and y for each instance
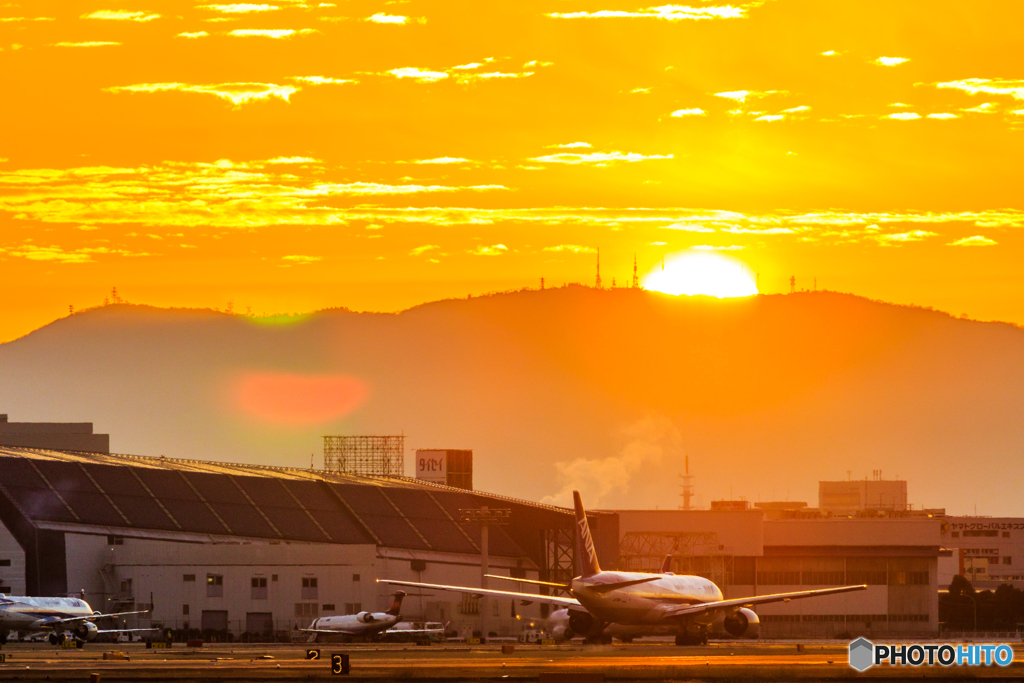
(459, 662)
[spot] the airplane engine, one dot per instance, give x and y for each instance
(562, 632)
(365, 617)
(743, 624)
(584, 624)
(87, 631)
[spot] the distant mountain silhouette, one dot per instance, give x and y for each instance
(601, 389)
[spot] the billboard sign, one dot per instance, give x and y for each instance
(432, 466)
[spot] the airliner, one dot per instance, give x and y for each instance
(365, 625)
(690, 605)
(55, 615)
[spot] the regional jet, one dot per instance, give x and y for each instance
(365, 625)
(690, 605)
(55, 616)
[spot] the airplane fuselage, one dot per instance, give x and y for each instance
(362, 624)
(643, 603)
(18, 613)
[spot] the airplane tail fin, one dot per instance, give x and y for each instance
(666, 566)
(396, 604)
(586, 555)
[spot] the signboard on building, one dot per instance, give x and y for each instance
(432, 466)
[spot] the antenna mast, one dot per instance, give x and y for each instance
(636, 281)
(597, 281)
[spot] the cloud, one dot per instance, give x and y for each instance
(904, 237)
(770, 117)
(493, 75)
(58, 254)
(91, 43)
(679, 113)
(322, 80)
(16, 19)
(275, 33)
(796, 110)
(829, 53)
(903, 116)
(975, 241)
(120, 15)
(382, 18)
(240, 8)
(293, 160)
(463, 67)
(738, 95)
(574, 248)
(687, 227)
(984, 108)
(891, 61)
(975, 86)
(421, 250)
(943, 117)
(419, 75)
(494, 250)
(598, 158)
(709, 247)
(444, 160)
(668, 12)
(236, 93)
(572, 145)
(649, 442)
(195, 34)
(301, 259)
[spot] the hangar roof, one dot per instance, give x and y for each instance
(151, 496)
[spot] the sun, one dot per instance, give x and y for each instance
(702, 273)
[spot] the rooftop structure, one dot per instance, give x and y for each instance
(60, 436)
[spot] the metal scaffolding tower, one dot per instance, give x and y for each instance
(376, 456)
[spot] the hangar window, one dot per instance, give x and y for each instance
(1006, 534)
(306, 609)
(184, 610)
(353, 607)
(188, 577)
(1007, 560)
(309, 588)
(259, 588)
(328, 607)
(355, 577)
(273, 577)
(115, 540)
(5, 589)
(5, 563)
(956, 534)
(214, 586)
(418, 565)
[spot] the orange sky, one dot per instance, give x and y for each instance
(288, 156)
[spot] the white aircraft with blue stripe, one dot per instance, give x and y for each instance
(56, 616)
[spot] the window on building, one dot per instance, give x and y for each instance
(126, 586)
(306, 609)
(1007, 560)
(5, 589)
(184, 610)
(309, 588)
(778, 578)
(355, 577)
(259, 588)
(188, 577)
(115, 540)
(328, 607)
(353, 607)
(1006, 534)
(823, 578)
(980, 532)
(214, 586)
(5, 563)
(273, 577)
(956, 534)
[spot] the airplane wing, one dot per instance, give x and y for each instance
(91, 617)
(686, 610)
(336, 631)
(400, 631)
(128, 630)
(527, 598)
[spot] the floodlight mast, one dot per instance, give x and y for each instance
(485, 517)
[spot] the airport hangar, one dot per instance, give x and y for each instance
(239, 549)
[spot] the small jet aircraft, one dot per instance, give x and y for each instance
(55, 616)
(689, 605)
(365, 625)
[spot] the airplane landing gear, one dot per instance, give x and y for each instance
(3, 637)
(693, 638)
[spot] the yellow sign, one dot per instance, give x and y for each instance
(160, 643)
(70, 643)
(472, 641)
(549, 641)
(3, 658)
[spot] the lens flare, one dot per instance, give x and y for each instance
(705, 273)
(291, 399)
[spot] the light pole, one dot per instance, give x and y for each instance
(484, 517)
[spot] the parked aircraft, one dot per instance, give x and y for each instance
(365, 625)
(689, 605)
(55, 616)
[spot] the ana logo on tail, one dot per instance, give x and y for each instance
(585, 540)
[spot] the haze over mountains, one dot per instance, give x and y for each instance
(605, 390)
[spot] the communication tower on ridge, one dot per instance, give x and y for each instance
(687, 487)
(636, 281)
(597, 281)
